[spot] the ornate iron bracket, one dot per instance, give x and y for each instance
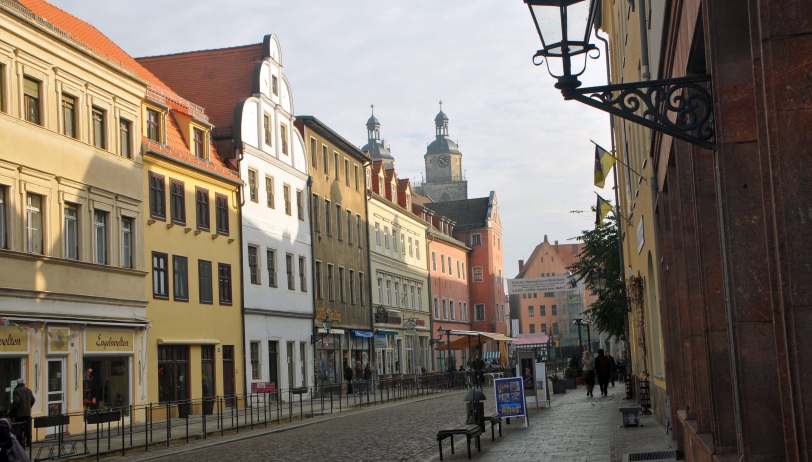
(681, 107)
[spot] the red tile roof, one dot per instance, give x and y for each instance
(217, 79)
(97, 42)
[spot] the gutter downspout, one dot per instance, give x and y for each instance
(641, 15)
(429, 239)
(241, 198)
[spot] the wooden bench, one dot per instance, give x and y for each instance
(469, 431)
(494, 420)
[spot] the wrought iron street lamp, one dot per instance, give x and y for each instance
(447, 333)
(317, 336)
(680, 107)
(599, 280)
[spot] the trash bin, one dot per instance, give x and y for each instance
(475, 408)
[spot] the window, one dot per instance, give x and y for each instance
(300, 204)
(157, 204)
(271, 202)
(346, 172)
(71, 232)
(380, 290)
(451, 310)
(199, 143)
(361, 288)
(436, 308)
(459, 274)
(224, 283)
(314, 159)
(3, 189)
(411, 251)
(283, 134)
(289, 271)
(417, 249)
(202, 202)
(476, 239)
(302, 274)
(33, 223)
(442, 263)
(252, 185)
(275, 85)
(318, 280)
(549, 294)
(352, 287)
(349, 227)
(330, 295)
(266, 128)
(271, 263)
(31, 100)
(160, 275)
(314, 211)
(355, 177)
(532, 328)
(544, 328)
(554, 310)
(335, 164)
(180, 277)
(338, 221)
(445, 309)
(100, 235)
(127, 242)
(386, 237)
(98, 116)
(450, 271)
(204, 281)
(255, 358)
(324, 159)
(535, 295)
(555, 329)
(341, 284)
(500, 276)
(477, 273)
(420, 299)
(358, 229)
(286, 197)
(479, 312)
(327, 221)
(124, 142)
(530, 311)
(378, 233)
(177, 202)
(221, 213)
(389, 292)
(403, 246)
(69, 116)
(433, 260)
(253, 264)
(543, 310)
(154, 125)
(499, 243)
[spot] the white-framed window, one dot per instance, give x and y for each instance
(253, 264)
(386, 236)
(450, 270)
(477, 272)
(33, 222)
(436, 308)
(290, 272)
(452, 310)
(402, 244)
(378, 233)
(255, 356)
(389, 293)
(459, 274)
(380, 290)
(433, 260)
(442, 263)
(411, 252)
(413, 298)
(100, 236)
(71, 232)
(445, 309)
(271, 265)
(127, 229)
(417, 249)
(476, 239)
(420, 298)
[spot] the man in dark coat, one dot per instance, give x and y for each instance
(20, 408)
(612, 369)
(479, 370)
(348, 378)
(603, 369)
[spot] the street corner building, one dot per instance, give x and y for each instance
(338, 218)
(249, 101)
(72, 215)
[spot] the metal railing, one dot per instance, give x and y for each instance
(121, 430)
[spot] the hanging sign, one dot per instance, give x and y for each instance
(509, 397)
(411, 326)
(381, 314)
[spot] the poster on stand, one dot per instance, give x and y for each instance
(509, 397)
(541, 383)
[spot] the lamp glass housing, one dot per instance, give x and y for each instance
(564, 28)
(599, 279)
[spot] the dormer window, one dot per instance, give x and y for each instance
(154, 125)
(199, 143)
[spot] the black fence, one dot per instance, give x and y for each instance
(149, 426)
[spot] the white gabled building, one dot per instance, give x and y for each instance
(252, 110)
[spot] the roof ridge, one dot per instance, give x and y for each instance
(194, 51)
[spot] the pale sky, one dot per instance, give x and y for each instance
(517, 135)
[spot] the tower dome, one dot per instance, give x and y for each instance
(377, 147)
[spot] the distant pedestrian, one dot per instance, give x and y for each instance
(368, 379)
(603, 369)
(348, 378)
(478, 366)
(20, 408)
(588, 371)
(359, 377)
(612, 368)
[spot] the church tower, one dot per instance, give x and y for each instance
(377, 148)
(445, 179)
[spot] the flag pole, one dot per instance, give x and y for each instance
(615, 210)
(620, 161)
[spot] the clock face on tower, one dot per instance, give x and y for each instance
(442, 161)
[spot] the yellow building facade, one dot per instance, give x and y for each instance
(635, 178)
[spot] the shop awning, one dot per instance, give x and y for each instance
(362, 333)
(473, 338)
(490, 355)
(191, 341)
(532, 342)
(387, 332)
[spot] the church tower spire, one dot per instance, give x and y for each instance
(377, 148)
(373, 126)
(441, 123)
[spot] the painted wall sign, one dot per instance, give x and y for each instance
(59, 339)
(104, 340)
(13, 340)
(334, 315)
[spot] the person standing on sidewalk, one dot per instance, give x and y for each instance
(348, 378)
(478, 366)
(603, 368)
(588, 363)
(359, 378)
(20, 408)
(368, 379)
(612, 369)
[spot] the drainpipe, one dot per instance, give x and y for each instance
(241, 198)
(641, 15)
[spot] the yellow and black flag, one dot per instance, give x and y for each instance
(603, 165)
(601, 210)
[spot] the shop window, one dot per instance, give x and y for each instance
(204, 281)
(106, 383)
(173, 373)
(207, 370)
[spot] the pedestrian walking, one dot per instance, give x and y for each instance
(612, 368)
(348, 378)
(10, 448)
(368, 379)
(603, 369)
(478, 366)
(588, 368)
(20, 408)
(359, 378)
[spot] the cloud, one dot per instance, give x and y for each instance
(517, 134)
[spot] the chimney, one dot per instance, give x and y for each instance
(556, 246)
(521, 265)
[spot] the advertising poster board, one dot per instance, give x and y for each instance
(526, 370)
(541, 384)
(509, 397)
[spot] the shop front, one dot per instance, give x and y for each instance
(14, 348)
(328, 358)
(360, 346)
(107, 367)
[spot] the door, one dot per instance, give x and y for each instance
(291, 364)
(228, 373)
(273, 363)
(56, 390)
(303, 362)
(173, 373)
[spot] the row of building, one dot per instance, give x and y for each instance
(171, 230)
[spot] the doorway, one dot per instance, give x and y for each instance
(273, 363)
(173, 373)
(291, 364)
(228, 373)
(56, 386)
